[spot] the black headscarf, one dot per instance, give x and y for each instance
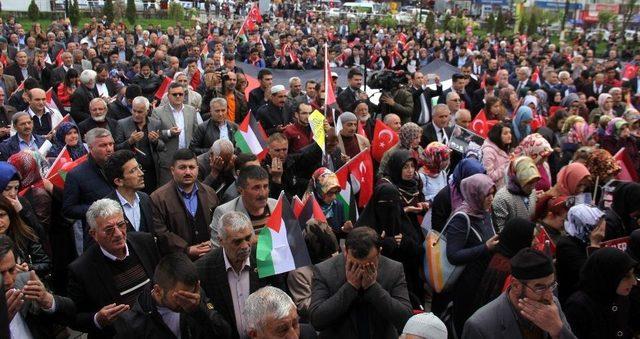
(397, 160)
(516, 235)
(384, 211)
(625, 201)
(602, 273)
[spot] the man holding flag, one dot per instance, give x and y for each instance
(228, 274)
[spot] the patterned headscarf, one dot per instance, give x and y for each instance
(578, 131)
(615, 126)
(581, 220)
(602, 164)
(534, 146)
(324, 181)
(30, 165)
(436, 157)
(465, 168)
(409, 132)
(522, 171)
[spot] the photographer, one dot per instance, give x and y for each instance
(395, 98)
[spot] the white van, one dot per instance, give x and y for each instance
(362, 8)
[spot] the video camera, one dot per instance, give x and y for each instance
(387, 80)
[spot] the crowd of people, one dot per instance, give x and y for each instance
(150, 227)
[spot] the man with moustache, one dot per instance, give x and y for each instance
(254, 201)
(272, 116)
(182, 209)
(107, 278)
(98, 111)
(528, 309)
(23, 139)
(127, 176)
(228, 274)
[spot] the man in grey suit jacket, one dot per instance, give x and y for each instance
(528, 306)
(142, 133)
(181, 121)
(10, 84)
(359, 294)
(254, 201)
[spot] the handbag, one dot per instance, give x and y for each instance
(440, 273)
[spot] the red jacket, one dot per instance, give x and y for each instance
(298, 136)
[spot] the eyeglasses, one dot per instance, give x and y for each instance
(541, 289)
(177, 94)
(110, 230)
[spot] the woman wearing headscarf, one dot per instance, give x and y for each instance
(470, 243)
(409, 139)
(402, 173)
(577, 134)
(37, 191)
(601, 306)
(623, 217)
(67, 135)
(536, 147)
(517, 198)
(543, 103)
(572, 179)
(495, 153)
(617, 136)
(450, 197)
(605, 107)
(516, 235)
(434, 172)
(584, 227)
(325, 187)
(521, 123)
(401, 240)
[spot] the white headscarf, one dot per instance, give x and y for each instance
(581, 220)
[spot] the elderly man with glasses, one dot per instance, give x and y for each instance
(528, 308)
(107, 278)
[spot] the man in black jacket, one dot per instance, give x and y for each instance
(215, 128)
(126, 174)
(174, 307)
(98, 111)
(272, 116)
(422, 96)
(121, 107)
(259, 96)
(83, 95)
(228, 273)
(107, 278)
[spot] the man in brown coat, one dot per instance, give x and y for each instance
(182, 209)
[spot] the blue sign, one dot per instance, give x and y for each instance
(546, 4)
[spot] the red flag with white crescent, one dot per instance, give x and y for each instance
(361, 168)
(383, 139)
(481, 126)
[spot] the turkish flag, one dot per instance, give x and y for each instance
(481, 126)
(628, 172)
(537, 122)
(254, 14)
(629, 71)
(59, 57)
(383, 139)
(361, 168)
(195, 80)
(163, 88)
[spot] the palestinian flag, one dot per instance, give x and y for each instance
(298, 205)
(346, 196)
(250, 137)
(311, 209)
(281, 247)
(60, 177)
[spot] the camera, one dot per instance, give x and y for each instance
(387, 80)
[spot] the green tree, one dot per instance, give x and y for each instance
(606, 17)
(176, 11)
(131, 12)
(430, 21)
(33, 12)
(501, 22)
(74, 13)
(107, 10)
